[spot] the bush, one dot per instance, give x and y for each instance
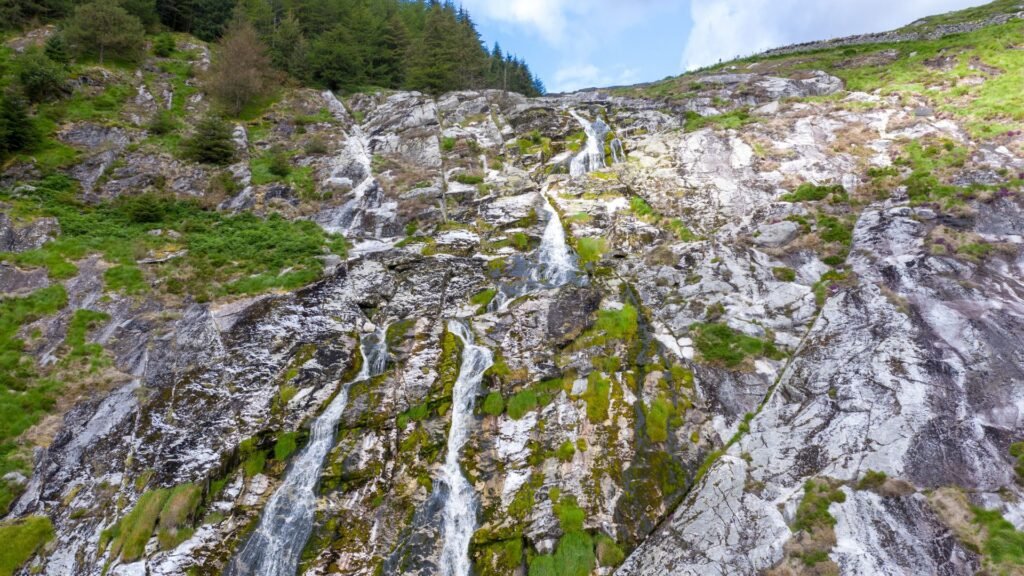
(212, 142)
(278, 163)
(162, 123)
(41, 79)
(164, 45)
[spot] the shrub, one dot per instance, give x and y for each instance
(316, 145)
(163, 45)
(162, 123)
(808, 192)
(212, 142)
(41, 78)
(872, 479)
(278, 163)
(813, 511)
(608, 551)
(17, 131)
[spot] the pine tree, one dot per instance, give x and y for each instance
(289, 50)
(211, 143)
(17, 131)
(57, 49)
(432, 64)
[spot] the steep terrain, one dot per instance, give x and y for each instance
(765, 318)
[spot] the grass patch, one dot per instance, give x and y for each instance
(808, 192)
(21, 540)
(590, 250)
(285, 446)
(494, 404)
(241, 254)
(730, 120)
(1004, 543)
(813, 511)
(719, 343)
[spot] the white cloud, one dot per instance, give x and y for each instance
(575, 77)
(724, 29)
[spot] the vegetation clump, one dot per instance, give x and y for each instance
(720, 343)
(21, 540)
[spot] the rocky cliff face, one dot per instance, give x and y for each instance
(790, 342)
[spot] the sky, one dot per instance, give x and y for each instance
(574, 44)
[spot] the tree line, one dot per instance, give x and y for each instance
(424, 45)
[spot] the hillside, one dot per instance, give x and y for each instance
(763, 318)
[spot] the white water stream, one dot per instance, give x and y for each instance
(459, 513)
(276, 545)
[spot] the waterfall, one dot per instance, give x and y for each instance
(287, 521)
(556, 261)
(459, 513)
(591, 158)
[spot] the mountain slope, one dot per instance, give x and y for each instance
(758, 319)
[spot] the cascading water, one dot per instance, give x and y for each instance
(287, 521)
(459, 512)
(556, 261)
(592, 156)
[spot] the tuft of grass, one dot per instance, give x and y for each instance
(597, 397)
(566, 450)
(285, 446)
(590, 250)
(720, 343)
(494, 404)
(1003, 543)
(808, 192)
(21, 540)
(656, 417)
(872, 479)
(784, 274)
(522, 403)
(812, 513)
(730, 120)
(618, 324)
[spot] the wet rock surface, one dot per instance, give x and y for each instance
(720, 344)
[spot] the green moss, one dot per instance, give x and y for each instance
(656, 418)
(178, 514)
(494, 404)
(682, 232)
(448, 363)
(483, 298)
(597, 397)
(730, 120)
(285, 445)
(1003, 543)
(720, 343)
(565, 451)
(640, 207)
(254, 464)
(21, 540)
(414, 414)
(621, 324)
(129, 535)
(609, 553)
(808, 192)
